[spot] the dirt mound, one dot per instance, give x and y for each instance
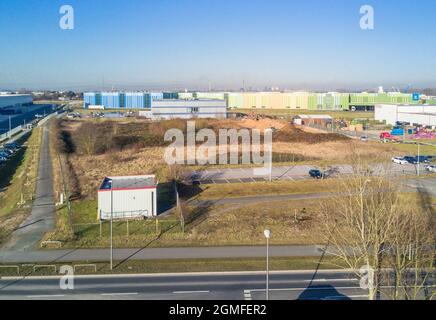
(263, 124)
(292, 134)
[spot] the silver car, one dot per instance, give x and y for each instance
(430, 168)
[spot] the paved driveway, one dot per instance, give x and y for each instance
(290, 173)
(41, 219)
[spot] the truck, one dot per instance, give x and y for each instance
(386, 136)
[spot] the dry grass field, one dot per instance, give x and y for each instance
(93, 149)
(99, 148)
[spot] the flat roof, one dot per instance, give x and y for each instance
(128, 183)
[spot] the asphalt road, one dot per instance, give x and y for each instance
(292, 285)
(41, 219)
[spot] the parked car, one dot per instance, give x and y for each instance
(399, 160)
(423, 159)
(5, 155)
(364, 138)
(411, 160)
(12, 146)
(317, 174)
(416, 160)
(431, 168)
(7, 151)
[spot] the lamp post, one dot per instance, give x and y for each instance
(419, 160)
(112, 216)
(267, 234)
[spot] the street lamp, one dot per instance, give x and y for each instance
(112, 216)
(267, 234)
(419, 160)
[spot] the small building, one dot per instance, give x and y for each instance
(309, 119)
(419, 115)
(129, 197)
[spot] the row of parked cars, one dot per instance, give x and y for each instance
(7, 151)
(412, 159)
(426, 160)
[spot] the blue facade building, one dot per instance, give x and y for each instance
(111, 100)
(121, 100)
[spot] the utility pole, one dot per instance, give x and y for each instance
(419, 160)
(267, 234)
(112, 219)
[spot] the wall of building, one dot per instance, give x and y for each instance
(267, 100)
(186, 95)
(127, 203)
(331, 101)
(420, 115)
(187, 109)
(209, 95)
(121, 100)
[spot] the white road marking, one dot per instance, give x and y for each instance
(247, 294)
(303, 289)
(47, 296)
(343, 297)
(120, 294)
(334, 280)
(190, 292)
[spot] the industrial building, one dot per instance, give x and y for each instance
(209, 95)
(267, 100)
(300, 100)
(419, 115)
(130, 197)
(187, 109)
(12, 101)
(160, 105)
(331, 101)
(120, 100)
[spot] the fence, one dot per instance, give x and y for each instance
(123, 215)
(352, 134)
(128, 228)
(10, 133)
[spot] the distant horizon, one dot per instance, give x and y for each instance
(268, 89)
(311, 45)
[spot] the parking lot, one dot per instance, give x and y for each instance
(292, 173)
(7, 151)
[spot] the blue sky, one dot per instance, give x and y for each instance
(310, 44)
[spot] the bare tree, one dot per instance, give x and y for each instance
(368, 225)
(410, 252)
(87, 139)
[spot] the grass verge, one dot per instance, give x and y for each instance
(180, 266)
(234, 190)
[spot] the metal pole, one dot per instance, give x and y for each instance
(267, 269)
(419, 152)
(112, 216)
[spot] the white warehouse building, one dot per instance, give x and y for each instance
(130, 197)
(423, 115)
(188, 109)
